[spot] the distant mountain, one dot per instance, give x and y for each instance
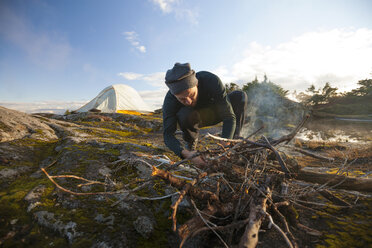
(55, 107)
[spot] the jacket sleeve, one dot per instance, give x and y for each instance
(225, 111)
(170, 109)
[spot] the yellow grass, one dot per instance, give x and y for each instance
(354, 173)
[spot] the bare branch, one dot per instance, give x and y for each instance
(280, 230)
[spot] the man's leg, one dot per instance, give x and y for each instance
(189, 121)
(239, 103)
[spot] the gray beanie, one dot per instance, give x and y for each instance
(180, 78)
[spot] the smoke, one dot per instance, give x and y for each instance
(276, 113)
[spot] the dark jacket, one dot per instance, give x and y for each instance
(211, 95)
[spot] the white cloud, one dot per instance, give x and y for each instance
(132, 37)
(154, 98)
(179, 9)
(155, 79)
(224, 74)
(130, 75)
(166, 6)
(142, 49)
(339, 56)
(191, 15)
(42, 48)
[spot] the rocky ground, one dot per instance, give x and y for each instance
(108, 197)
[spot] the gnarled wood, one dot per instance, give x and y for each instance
(336, 181)
(256, 216)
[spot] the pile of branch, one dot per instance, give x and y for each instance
(246, 184)
(243, 186)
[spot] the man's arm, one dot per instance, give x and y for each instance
(229, 120)
(170, 108)
(225, 110)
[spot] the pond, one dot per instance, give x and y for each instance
(337, 130)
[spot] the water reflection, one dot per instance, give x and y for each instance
(338, 130)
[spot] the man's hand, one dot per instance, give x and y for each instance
(196, 160)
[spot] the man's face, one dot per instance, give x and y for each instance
(188, 97)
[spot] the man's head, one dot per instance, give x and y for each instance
(188, 97)
(182, 83)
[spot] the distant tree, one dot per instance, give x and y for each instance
(250, 85)
(230, 87)
(327, 100)
(265, 85)
(265, 79)
(278, 89)
(328, 92)
(312, 90)
(365, 88)
(303, 97)
(321, 96)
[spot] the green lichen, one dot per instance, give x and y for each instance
(84, 242)
(119, 133)
(13, 207)
(12, 204)
(4, 127)
(106, 132)
(36, 238)
(38, 149)
(351, 228)
(39, 131)
(159, 237)
(42, 118)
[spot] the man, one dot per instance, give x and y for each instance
(197, 100)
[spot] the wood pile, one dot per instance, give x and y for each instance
(246, 183)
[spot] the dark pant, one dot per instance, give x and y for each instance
(190, 120)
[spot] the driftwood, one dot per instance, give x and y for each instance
(311, 154)
(256, 215)
(336, 200)
(195, 223)
(336, 181)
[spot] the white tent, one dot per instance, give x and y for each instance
(115, 98)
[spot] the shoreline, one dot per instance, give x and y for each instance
(352, 119)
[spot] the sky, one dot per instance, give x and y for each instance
(58, 55)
